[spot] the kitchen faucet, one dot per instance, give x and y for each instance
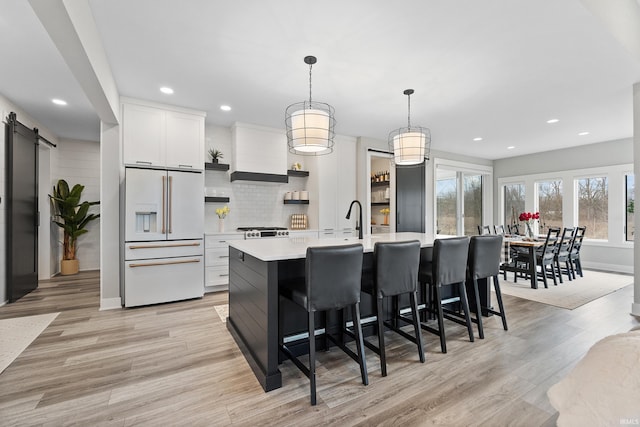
(358, 227)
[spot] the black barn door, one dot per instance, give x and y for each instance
(22, 208)
(410, 197)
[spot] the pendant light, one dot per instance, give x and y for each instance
(310, 124)
(411, 145)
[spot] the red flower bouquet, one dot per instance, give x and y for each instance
(528, 218)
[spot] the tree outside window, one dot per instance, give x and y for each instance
(550, 204)
(513, 203)
(593, 206)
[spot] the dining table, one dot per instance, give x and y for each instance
(532, 265)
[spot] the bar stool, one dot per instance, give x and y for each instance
(449, 267)
(484, 263)
(395, 273)
(332, 281)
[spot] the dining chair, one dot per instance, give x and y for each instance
(514, 229)
(563, 254)
(484, 229)
(545, 256)
(498, 229)
(332, 281)
(484, 263)
(396, 266)
(575, 250)
(448, 268)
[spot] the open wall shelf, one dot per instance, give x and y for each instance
(296, 202)
(209, 199)
(291, 172)
(216, 166)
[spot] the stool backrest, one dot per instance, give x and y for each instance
(333, 275)
(484, 256)
(396, 267)
(450, 260)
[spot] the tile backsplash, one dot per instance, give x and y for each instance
(250, 203)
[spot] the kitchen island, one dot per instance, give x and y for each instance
(256, 268)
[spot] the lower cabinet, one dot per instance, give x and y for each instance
(216, 258)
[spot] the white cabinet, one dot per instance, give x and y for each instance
(336, 186)
(156, 136)
(216, 259)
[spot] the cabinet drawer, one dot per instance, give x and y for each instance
(216, 256)
(221, 240)
(218, 275)
(162, 280)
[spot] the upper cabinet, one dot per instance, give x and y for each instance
(163, 136)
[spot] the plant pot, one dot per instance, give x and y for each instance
(214, 160)
(69, 267)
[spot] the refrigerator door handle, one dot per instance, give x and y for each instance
(164, 190)
(170, 209)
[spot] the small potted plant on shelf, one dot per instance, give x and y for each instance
(215, 155)
(72, 216)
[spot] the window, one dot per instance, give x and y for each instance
(446, 194)
(550, 204)
(629, 226)
(472, 204)
(593, 206)
(513, 203)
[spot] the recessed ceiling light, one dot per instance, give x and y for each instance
(552, 121)
(59, 101)
(167, 90)
(511, 147)
(583, 133)
(225, 108)
(477, 139)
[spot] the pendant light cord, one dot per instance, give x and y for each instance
(310, 67)
(409, 112)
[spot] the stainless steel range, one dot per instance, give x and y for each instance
(262, 232)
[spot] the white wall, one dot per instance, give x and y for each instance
(78, 162)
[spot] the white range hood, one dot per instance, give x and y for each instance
(258, 154)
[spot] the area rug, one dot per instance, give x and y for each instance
(17, 333)
(223, 311)
(570, 294)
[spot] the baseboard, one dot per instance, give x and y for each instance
(110, 303)
(216, 288)
(614, 268)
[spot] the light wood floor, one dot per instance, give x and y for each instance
(176, 364)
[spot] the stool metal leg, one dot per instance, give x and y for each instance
(496, 286)
(312, 356)
(416, 325)
(465, 307)
(379, 315)
(360, 343)
(478, 308)
(438, 302)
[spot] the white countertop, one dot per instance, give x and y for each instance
(296, 247)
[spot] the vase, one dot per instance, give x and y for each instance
(528, 231)
(221, 225)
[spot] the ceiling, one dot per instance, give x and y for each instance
(496, 69)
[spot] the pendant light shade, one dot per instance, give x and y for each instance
(310, 124)
(410, 145)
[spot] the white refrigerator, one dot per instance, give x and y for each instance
(163, 239)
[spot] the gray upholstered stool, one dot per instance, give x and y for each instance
(449, 268)
(332, 281)
(395, 273)
(484, 263)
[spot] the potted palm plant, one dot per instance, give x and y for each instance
(72, 216)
